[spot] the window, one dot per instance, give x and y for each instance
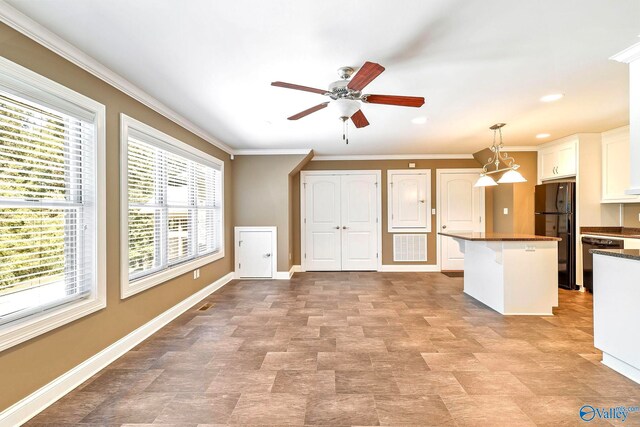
(173, 199)
(51, 203)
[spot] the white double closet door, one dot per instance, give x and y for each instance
(341, 222)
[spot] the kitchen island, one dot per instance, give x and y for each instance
(511, 273)
(616, 313)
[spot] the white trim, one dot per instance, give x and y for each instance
(22, 330)
(427, 227)
(439, 172)
(418, 268)
(519, 148)
(296, 269)
(272, 152)
(27, 26)
(284, 275)
(395, 157)
(304, 174)
(128, 288)
(621, 367)
(36, 402)
(628, 55)
(275, 274)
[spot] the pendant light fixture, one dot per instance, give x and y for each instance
(511, 174)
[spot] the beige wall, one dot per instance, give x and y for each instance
(631, 212)
(383, 165)
(518, 198)
(261, 188)
(30, 365)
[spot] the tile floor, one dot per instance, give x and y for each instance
(355, 349)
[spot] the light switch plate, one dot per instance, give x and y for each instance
(505, 211)
(412, 165)
(433, 211)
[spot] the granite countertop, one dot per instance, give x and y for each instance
(618, 253)
(499, 237)
(627, 232)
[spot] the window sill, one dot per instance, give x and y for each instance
(131, 288)
(20, 331)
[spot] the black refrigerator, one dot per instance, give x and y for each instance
(555, 216)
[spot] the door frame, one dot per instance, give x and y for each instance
(274, 250)
(439, 173)
(303, 206)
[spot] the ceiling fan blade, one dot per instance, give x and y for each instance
(298, 87)
(308, 111)
(359, 120)
(365, 75)
(403, 101)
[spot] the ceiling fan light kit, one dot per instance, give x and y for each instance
(347, 97)
(511, 174)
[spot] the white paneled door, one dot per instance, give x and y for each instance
(340, 220)
(461, 210)
(255, 252)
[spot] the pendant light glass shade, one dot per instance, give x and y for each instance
(345, 107)
(511, 177)
(485, 181)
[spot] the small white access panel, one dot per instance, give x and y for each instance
(256, 252)
(409, 200)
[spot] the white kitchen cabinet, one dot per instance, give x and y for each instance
(616, 171)
(558, 160)
(409, 200)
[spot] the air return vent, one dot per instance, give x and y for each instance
(409, 247)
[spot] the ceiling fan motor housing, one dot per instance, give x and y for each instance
(339, 89)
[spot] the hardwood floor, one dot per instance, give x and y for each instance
(355, 349)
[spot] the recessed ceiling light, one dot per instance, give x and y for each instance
(543, 135)
(552, 97)
(419, 120)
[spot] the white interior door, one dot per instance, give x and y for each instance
(340, 220)
(461, 210)
(408, 200)
(322, 223)
(359, 205)
(255, 252)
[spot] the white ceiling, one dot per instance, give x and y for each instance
(475, 62)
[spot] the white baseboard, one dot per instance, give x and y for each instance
(420, 268)
(36, 402)
(621, 367)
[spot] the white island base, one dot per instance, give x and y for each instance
(616, 309)
(512, 277)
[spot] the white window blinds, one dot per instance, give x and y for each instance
(47, 207)
(174, 206)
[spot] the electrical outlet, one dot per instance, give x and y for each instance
(412, 165)
(196, 273)
(433, 211)
(639, 217)
(505, 211)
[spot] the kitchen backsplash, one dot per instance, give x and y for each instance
(631, 212)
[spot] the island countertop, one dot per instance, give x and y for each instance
(619, 253)
(500, 237)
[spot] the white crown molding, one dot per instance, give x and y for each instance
(395, 157)
(272, 152)
(628, 55)
(22, 411)
(27, 26)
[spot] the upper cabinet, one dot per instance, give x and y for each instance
(409, 200)
(616, 173)
(558, 161)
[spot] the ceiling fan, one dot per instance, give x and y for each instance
(346, 94)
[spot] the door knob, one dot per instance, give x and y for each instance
(444, 226)
(267, 255)
(421, 201)
(337, 227)
(344, 227)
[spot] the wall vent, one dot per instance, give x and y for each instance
(409, 247)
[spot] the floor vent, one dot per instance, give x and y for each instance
(409, 247)
(206, 306)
